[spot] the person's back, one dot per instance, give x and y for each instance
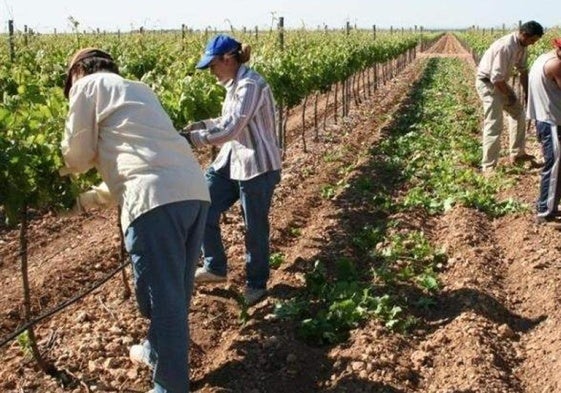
(544, 98)
(140, 156)
(500, 59)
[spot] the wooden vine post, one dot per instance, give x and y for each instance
(11, 40)
(345, 93)
(281, 130)
(122, 256)
(46, 367)
(303, 133)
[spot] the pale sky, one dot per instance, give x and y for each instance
(45, 15)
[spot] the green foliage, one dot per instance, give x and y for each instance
(480, 40)
(409, 257)
(276, 260)
(33, 109)
(328, 191)
(295, 232)
(329, 308)
(313, 62)
(435, 148)
(24, 342)
(368, 237)
(30, 149)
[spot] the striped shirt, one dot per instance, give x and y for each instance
(499, 60)
(246, 128)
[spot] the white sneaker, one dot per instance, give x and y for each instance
(254, 295)
(140, 353)
(203, 275)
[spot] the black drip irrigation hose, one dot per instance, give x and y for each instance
(61, 306)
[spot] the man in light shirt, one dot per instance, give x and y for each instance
(119, 127)
(493, 73)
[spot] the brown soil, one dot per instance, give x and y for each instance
(496, 327)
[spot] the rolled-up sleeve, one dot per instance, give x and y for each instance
(79, 145)
(240, 110)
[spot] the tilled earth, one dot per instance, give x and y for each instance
(495, 327)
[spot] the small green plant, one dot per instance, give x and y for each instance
(294, 232)
(346, 170)
(276, 259)
(332, 156)
(382, 202)
(307, 172)
(425, 303)
(429, 281)
(364, 184)
(330, 308)
(409, 257)
(368, 237)
(328, 192)
(24, 342)
(243, 317)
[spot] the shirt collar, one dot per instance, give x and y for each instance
(231, 82)
(516, 39)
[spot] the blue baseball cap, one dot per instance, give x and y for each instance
(218, 45)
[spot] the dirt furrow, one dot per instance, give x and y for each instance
(503, 280)
(472, 349)
(532, 280)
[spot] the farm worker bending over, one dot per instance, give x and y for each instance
(493, 73)
(246, 168)
(119, 127)
(544, 106)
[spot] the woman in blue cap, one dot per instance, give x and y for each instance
(246, 168)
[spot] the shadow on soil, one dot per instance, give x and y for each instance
(449, 305)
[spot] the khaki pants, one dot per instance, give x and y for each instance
(493, 106)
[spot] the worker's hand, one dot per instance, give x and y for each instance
(199, 125)
(96, 197)
(510, 95)
(64, 171)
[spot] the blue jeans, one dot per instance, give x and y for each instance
(164, 245)
(255, 196)
(550, 183)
